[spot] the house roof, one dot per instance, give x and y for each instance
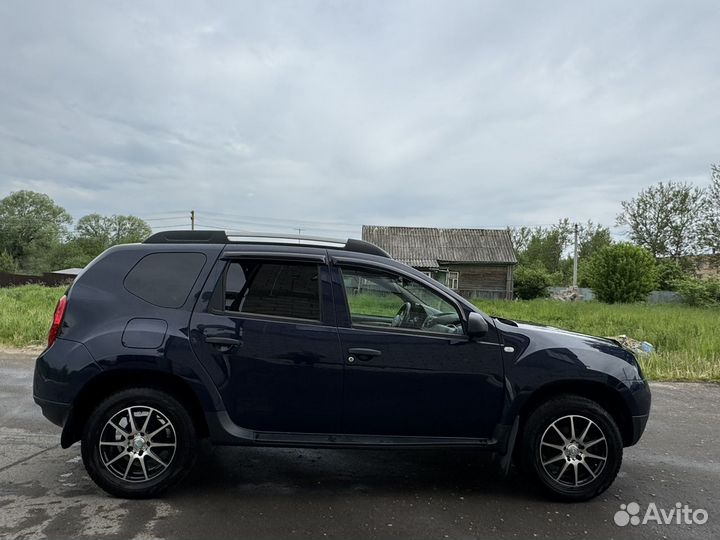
(68, 271)
(426, 247)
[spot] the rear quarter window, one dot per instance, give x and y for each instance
(165, 279)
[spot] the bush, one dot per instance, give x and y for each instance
(7, 263)
(669, 273)
(531, 282)
(698, 292)
(622, 273)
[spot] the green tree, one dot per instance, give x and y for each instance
(93, 232)
(531, 282)
(99, 232)
(699, 292)
(711, 225)
(622, 273)
(30, 222)
(669, 273)
(545, 247)
(591, 239)
(548, 247)
(71, 254)
(666, 218)
(7, 263)
(520, 237)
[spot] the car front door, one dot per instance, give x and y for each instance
(410, 368)
(268, 338)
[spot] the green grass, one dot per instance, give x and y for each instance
(375, 304)
(26, 314)
(686, 339)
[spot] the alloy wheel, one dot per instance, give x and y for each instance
(573, 451)
(137, 444)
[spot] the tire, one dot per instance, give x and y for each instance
(142, 462)
(552, 454)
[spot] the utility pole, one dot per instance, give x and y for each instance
(575, 258)
(299, 231)
(192, 220)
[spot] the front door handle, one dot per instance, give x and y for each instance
(364, 354)
(228, 342)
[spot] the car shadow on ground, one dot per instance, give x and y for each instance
(273, 471)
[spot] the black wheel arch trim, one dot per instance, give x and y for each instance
(617, 397)
(188, 392)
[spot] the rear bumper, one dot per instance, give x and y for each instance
(57, 413)
(61, 371)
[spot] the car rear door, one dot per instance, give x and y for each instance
(268, 338)
(404, 380)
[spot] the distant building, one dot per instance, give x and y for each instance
(707, 266)
(477, 263)
(67, 272)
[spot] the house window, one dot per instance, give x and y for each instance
(453, 279)
(427, 273)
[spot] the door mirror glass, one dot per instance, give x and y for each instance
(477, 325)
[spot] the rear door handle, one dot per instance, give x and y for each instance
(228, 342)
(363, 354)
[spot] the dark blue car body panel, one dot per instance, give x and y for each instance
(288, 382)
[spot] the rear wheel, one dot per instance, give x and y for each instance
(138, 442)
(573, 447)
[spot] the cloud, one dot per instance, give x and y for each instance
(418, 113)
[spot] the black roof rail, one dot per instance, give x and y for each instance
(188, 237)
(361, 246)
(221, 237)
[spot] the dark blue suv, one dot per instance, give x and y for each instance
(305, 342)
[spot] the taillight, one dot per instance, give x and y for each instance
(57, 320)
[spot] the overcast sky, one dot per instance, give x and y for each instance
(443, 113)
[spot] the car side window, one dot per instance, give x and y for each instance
(382, 299)
(279, 289)
(165, 279)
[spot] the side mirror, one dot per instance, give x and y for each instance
(477, 325)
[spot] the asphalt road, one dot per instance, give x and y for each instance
(262, 493)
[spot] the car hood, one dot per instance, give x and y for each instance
(539, 344)
(560, 336)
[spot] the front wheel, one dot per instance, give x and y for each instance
(573, 447)
(138, 442)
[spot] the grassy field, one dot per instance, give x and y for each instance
(26, 313)
(371, 304)
(687, 339)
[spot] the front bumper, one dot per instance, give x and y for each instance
(638, 428)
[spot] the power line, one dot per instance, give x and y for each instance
(165, 213)
(286, 220)
(177, 226)
(289, 224)
(204, 226)
(275, 227)
(227, 221)
(162, 218)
